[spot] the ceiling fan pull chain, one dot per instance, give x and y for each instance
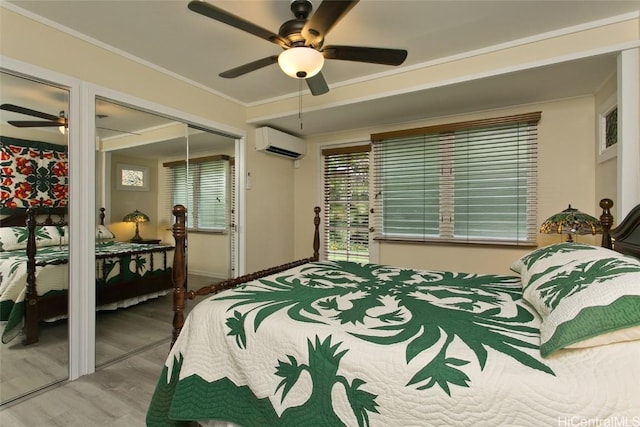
(300, 102)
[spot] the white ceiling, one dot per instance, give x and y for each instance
(169, 36)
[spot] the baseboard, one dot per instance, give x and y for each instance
(212, 275)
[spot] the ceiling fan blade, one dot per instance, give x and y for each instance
(27, 111)
(251, 66)
(33, 123)
(324, 18)
(213, 12)
(373, 55)
(317, 85)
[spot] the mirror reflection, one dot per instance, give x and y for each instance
(33, 161)
(147, 163)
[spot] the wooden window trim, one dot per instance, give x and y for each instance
(533, 117)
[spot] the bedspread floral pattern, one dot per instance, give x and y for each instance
(34, 174)
(401, 306)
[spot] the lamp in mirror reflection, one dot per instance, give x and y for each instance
(571, 221)
(136, 217)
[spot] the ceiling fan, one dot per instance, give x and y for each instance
(51, 120)
(302, 39)
(60, 121)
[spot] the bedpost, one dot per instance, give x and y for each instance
(606, 219)
(316, 234)
(31, 296)
(179, 270)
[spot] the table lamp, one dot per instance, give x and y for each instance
(571, 221)
(137, 217)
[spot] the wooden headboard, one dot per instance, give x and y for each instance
(52, 216)
(626, 236)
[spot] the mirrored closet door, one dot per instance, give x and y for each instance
(146, 163)
(33, 160)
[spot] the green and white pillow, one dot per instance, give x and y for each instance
(15, 238)
(585, 297)
(558, 254)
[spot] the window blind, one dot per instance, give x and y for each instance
(346, 203)
(201, 186)
(463, 182)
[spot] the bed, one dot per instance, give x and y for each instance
(34, 274)
(337, 343)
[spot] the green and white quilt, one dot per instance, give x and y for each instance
(52, 276)
(340, 343)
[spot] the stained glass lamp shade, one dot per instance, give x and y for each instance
(137, 217)
(571, 221)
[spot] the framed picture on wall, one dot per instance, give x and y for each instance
(132, 177)
(608, 129)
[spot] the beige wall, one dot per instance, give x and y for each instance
(126, 201)
(270, 201)
(566, 152)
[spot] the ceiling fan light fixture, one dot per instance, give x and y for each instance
(62, 128)
(301, 62)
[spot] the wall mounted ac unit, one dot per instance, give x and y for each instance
(279, 143)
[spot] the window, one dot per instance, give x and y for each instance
(202, 186)
(608, 129)
(346, 203)
(462, 182)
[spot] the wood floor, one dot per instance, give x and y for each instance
(118, 333)
(117, 394)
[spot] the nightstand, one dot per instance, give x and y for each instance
(148, 241)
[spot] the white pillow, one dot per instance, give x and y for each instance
(15, 238)
(103, 233)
